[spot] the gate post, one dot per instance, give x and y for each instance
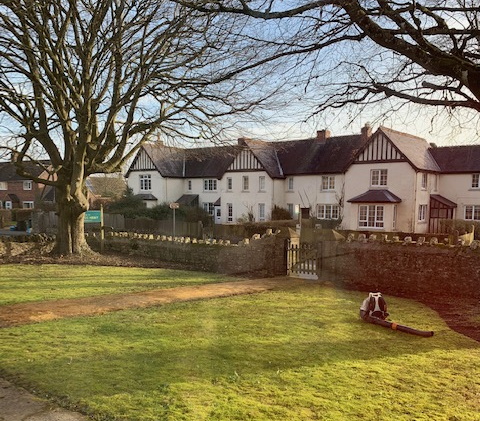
(319, 260)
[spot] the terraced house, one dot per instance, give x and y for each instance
(18, 192)
(381, 181)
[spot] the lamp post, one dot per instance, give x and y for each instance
(174, 206)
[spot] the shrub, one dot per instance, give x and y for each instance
(280, 214)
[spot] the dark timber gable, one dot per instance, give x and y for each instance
(380, 149)
(142, 162)
(245, 161)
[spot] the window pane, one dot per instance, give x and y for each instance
(468, 212)
(261, 183)
(383, 177)
(335, 212)
(476, 213)
(475, 180)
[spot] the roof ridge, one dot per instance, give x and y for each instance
(388, 129)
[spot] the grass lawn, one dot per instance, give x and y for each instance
(22, 283)
(301, 354)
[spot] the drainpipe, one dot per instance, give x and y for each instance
(414, 202)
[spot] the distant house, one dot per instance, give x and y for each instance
(18, 192)
(104, 188)
(385, 181)
(459, 183)
(389, 184)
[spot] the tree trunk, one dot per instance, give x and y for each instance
(70, 232)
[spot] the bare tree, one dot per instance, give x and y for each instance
(86, 82)
(363, 52)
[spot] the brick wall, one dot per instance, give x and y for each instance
(16, 187)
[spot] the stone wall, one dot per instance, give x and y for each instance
(262, 256)
(403, 268)
(400, 267)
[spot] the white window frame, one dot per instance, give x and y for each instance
(475, 181)
(328, 211)
(209, 207)
(371, 216)
(472, 212)
(229, 212)
(261, 183)
(27, 185)
(145, 182)
(424, 181)
(422, 213)
(261, 211)
(328, 182)
(28, 204)
(229, 183)
(3, 185)
(378, 178)
(245, 183)
(210, 184)
(290, 183)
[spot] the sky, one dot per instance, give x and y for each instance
(463, 128)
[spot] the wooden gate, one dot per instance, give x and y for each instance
(303, 260)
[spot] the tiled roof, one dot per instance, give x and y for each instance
(188, 199)
(309, 156)
(376, 196)
(457, 159)
(267, 155)
(443, 200)
(168, 161)
(416, 149)
(8, 170)
(191, 163)
(209, 162)
(312, 156)
(146, 196)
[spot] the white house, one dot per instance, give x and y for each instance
(386, 187)
(385, 181)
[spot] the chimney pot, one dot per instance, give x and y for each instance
(366, 131)
(323, 135)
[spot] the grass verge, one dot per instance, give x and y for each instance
(21, 283)
(301, 354)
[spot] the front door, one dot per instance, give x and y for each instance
(218, 215)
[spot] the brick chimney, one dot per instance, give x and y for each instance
(323, 135)
(366, 131)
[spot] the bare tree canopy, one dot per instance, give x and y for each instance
(87, 81)
(364, 51)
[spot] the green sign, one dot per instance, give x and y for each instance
(93, 216)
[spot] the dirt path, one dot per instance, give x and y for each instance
(25, 313)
